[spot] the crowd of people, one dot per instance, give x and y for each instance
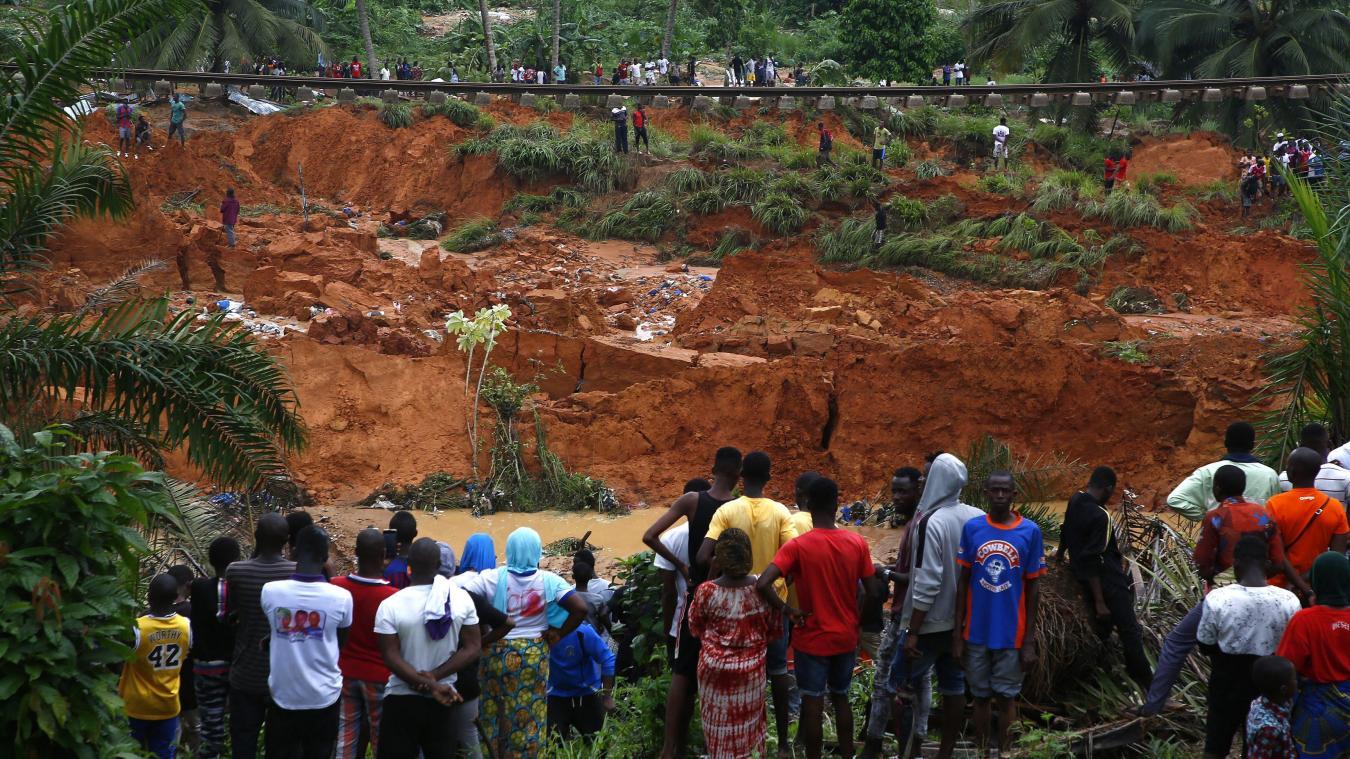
(1264, 176)
(417, 653)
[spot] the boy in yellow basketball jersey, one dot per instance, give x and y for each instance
(149, 686)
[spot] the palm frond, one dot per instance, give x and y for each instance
(206, 386)
(102, 431)
(124, 287)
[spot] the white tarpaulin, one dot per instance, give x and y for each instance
(260, 107)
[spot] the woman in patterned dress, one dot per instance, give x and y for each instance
(544, 609)
(735, 626)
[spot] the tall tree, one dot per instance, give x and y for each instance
(363, 18)
(887, 39)
(216, 31)
(1238, 38)
(1073, 37)
(487, 36)
(557, 32)
(668, 36)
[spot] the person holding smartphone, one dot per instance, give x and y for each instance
(404, 525)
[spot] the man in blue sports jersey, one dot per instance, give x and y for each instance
(1001, 556)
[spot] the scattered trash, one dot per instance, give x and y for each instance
(229, 306)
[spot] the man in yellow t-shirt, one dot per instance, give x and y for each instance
(149, 685)
(769, 525)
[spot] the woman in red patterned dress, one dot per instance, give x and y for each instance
(735, 626)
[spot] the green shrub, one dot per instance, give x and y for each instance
(1063, 189)
(917, 122)
(475, 234)
(906, 214)
(1154, 184)
(765, 134)
(999, 184)
(70, 528)
(545, 104)
(705, 202)
(848, 242)
(396, 115)
(944, 209)
(898, 154)
(794, 157)
(485, 123)
(1129, 351)
(561, 196)
(1131, 208)
(687, 180)
(929, 169)
(460, 112)
(796, 185)
(741, 185)
(734, 240)
(644, 216)
(1176, 218)
(967, 133)
(1215, 190)
(779, 213)
(707, 144)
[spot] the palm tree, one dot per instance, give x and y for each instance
(1239, 38)
(1075, 36)
(215, 31)
(1310, 381)
(131, 378)
(363, 19)
(487, 37)
(668, 36)
(557, 30)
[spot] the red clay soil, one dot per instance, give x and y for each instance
(853, 373)
(1195, 159)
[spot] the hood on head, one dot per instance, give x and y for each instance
(946, 477)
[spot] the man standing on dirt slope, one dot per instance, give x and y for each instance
(1332, 479)
(177, 119)
(1222, 528)
(698, 508)
(250, 666)
(229, 217)
(826, 145)
(1195, 495)
(881, 137)
(929, 613)
(769, 525)
(124, 130)
(620, 118)
(1001, 133)
(640, 129)
(878, 223)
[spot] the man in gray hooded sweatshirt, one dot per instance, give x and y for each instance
(929, 614)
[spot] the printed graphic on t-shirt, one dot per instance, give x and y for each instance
(525, 603)
(996, 557)
(299, 624)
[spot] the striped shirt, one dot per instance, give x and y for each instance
(250, 667)
(1332, 481)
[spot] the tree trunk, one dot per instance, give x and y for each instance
(557, 29)
(372, 65)
(487, 37)
(669, 37)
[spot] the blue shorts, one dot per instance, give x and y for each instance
(935, 651)
(816, 674)
(159, 737)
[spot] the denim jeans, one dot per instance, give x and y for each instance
(157, 736)
(818, 674)
(1175, 650)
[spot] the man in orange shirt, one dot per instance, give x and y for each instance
(1310, 522)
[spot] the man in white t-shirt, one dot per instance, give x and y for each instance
(309, 620)
(663, 65)
(1239, 623)
(428, 632)
(1001, 133)
(1333, 480)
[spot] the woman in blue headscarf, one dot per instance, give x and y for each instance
(479, 554)
(544, 608)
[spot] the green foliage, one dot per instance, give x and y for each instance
(779, 213)
(906, 214)
(1064, 189)
(930, 169)
(461, 112)
(849, 242)
(913, 123)
(1072, 148)
(944, 209)
(472, 235)
(110, 113)
(968, 134)
(1131, 208)
(437, 491)
(999, 184)
(645, 216)
(1215, 190)
(1039, 478)
(69, 534)
(232, 30)
(709, 145)
(396, 115)
(560, 196)
(881, 43)
(687, 180)
(1154, 184)
(1133, 300)
(1129, 351)
(706, 202)
(1071, 41)
(741, 185)
(175, 381)
(537, 152)
(734, 240)
(799, 186)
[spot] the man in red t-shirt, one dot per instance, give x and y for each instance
(356, 68)
(364, 674)
(825, 564)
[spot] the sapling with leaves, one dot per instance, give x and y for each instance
(469, 333)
